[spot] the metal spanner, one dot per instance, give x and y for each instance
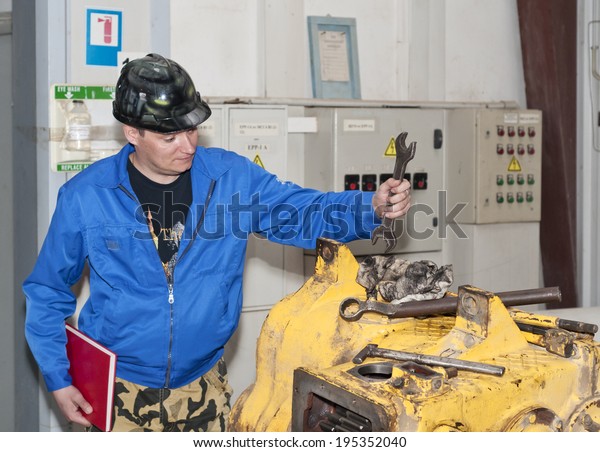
(403, 156)
(373, 351)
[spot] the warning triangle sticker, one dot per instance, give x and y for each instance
(391, 149)
(258, 161)
(514, 165)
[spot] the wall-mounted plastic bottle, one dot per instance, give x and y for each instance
(78, 130)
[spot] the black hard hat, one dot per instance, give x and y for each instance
(157, 94)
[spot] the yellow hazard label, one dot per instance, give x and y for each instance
(258, 161)
(391, 149)
(514, 165)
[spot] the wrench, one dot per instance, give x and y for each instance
(352, 309)
(403, 156)
(373, 351)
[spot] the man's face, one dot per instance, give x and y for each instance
(162, 157)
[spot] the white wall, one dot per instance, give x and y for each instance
(219, 43)
(483, 52)
(426, 50)
(588, 155)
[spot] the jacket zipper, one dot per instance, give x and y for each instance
(171, 279)
(170, 352)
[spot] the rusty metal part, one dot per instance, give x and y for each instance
(535, 420)
(404, 154)
(320, 402)
(589, 425)
(414, 379)
(410, 378)
(352, 309)
(557, 341)
(373, 351)
(344, 421)
(587, 417)
(576, 326)
(560, 342)
(554, 340)
(545, 321)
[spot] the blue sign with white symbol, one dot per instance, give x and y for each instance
(103, 37)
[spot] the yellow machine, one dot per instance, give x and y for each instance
(329, 360)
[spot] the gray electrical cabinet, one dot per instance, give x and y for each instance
(353, 150)
(494, 164)
(494, 182)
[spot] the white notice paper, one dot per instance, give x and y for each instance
(334, 56)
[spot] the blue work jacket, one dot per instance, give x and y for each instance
(168, 333)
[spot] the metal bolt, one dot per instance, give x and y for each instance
(589, 424)
(470, 305)
(469, 340)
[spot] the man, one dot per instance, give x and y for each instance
(163, 226)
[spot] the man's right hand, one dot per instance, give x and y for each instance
(71, 403)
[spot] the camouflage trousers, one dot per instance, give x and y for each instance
(201, 406)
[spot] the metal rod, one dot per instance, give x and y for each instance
(548, 321)
(448, 304)
(577, 326)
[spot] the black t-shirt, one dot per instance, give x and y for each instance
(165, 208)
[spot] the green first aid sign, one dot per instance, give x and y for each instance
(70, 92)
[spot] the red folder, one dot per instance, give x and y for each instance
(92, 368)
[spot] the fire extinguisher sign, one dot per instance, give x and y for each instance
(103, 37)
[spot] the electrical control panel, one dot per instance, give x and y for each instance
(494, 165)
(354, 150)
(260, 134)
(213, 131)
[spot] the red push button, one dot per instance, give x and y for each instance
(369, 182)
(351, 181)
(419, 181)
